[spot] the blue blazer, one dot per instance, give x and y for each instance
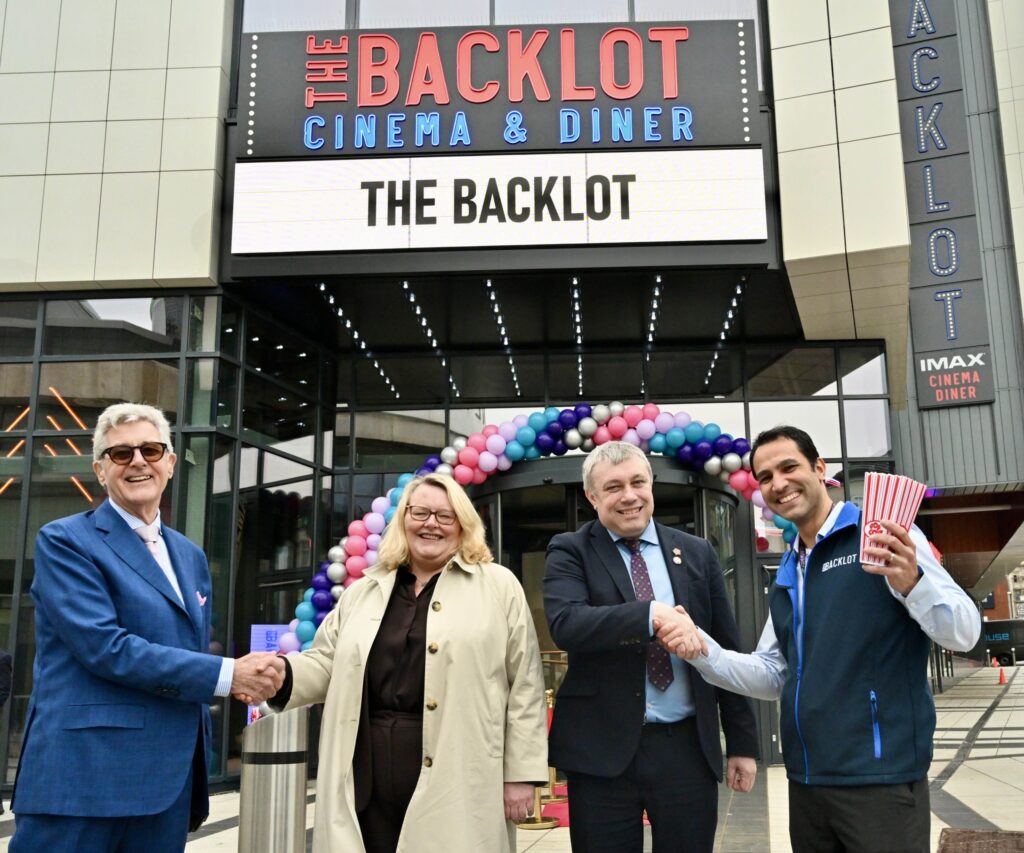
(121, 679)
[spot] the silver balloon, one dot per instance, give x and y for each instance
(588, 445)
(587, 427)
(724, 476)
(336, 554)
(572, 438)
(444, 469)
(746, 460)
(449, 455)
(600, 413)
(616, 408)
(713, 466)
(459, 443)
(341, 544)
(337, 572)
(732, 462)
(336, 591)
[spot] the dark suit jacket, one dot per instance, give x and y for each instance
(595, 617)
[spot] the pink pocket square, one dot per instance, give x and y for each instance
(201, 599)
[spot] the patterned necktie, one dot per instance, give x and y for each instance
(659, 665)
(150, 534)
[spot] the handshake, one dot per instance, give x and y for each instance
(258, 676)
(675, 630)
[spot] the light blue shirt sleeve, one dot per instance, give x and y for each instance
(227, 673)
(759, 674)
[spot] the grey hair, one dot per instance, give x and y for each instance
(128, 413)
(614, 453)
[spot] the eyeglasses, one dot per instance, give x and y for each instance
(421, 513)
(123, 454)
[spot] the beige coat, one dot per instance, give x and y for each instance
(489, 725)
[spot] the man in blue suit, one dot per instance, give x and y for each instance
(115, 750)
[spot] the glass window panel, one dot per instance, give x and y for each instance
(415, 13)
(862, 370)
(12, 471)
(491, 377)
(248, 467)
(340, 506)
(15, 389)
(275, 352)
(367, 487)
(720, 514)
(103, 326)
(559, 11)
(819, 418)
(800, 372)
(325, 538)
(397, 441)
(200, 391)
(230, 328)
(606, 376)
(227, 394)
(18, 320)
(327, 424)
(275, 528)
(274, 417)
(193, 472)
(202, 323)
(273, 16)
(342, 438)
(867, 427)
(277, 468)
(673, 375)
(73, 394)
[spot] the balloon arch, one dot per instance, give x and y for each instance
(697, 446)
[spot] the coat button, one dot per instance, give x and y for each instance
(432, 648)
(435, 606)
(428, 762)
(431, 705)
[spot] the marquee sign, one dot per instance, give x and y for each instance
(948, 311)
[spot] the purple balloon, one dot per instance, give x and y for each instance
(632, 437)
(322, 599)
(288, 642)
(431, 462)
(380, 505)
(723, 444)
(741, 446)
(703, 450)
(422, 472)
(554, 429)
(372, 541)
(664, 422)
(559, 449)
(582, 411)
(684, 453)
(682, 420)
(508, 430)
(324, 565)
(545, 443)
(520, 421)
(567, 418)
(504, 463)
(321, 581)
(320, 616)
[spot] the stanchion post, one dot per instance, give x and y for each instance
(538, 821)
(551, 796)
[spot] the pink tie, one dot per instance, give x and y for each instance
(150, 534)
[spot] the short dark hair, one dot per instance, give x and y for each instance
(804, 443)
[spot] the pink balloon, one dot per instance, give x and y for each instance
(370, 557)
(293, 625)
(664, 422)
(372, 542)
(651, 411)
(738, 480)
(463, 475)
(682, 419)
(520, 421)
(469, 456)
(602, 435)
(750, 478)
(288, 642)
(477, 441)
(349, 581)
(633, 415)
(374, 522)
(479, 476)
(496, 444)
(489, 430)
(355, 566)
(617, 426)
(488, 461)
(631, 437)
(355, 547)
(508, 430)
(645, 445)
(646, 429)
(357, 528)
(504, 463)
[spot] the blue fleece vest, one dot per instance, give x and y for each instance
(856, 708)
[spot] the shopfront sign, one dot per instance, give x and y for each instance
(948, 310)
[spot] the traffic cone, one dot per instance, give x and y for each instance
(1002, 676)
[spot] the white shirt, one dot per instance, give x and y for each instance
(942, 609)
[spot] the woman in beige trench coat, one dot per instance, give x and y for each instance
(484, 717)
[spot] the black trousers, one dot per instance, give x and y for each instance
(396, 751)
(669, 778)
(859, 818)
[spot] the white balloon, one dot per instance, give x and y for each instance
(588, 445)
(336, 554)
(616, 408)
(459, 443)
(444, 469)
(342, 542)
(724, 476)
(713, 466)
(732, 462)
(746, 460)
(337, 572)
(587, 427)
(336, 591)
(600, 413)
(449, 455)
(572, 439)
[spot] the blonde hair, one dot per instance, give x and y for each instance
(128, 413)
(394, 547)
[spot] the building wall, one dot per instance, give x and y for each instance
(111, 141)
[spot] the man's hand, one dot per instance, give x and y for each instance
(740, 773)
(518, 800)
(258, 676)
(898, 550)
(675, 630)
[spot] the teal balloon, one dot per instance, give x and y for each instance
(675, 437)
(788, 535)
(526, 436)
(308, 594)
(306, 646)
(305, 630)
(694, 432)
(305, 612)
(404, 480)
(551, 413)
(533, 452)
(537, 422)
(395, 495)
(514, 450)
(657, 443)
(711, 432)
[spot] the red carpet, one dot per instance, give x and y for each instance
(561, 810)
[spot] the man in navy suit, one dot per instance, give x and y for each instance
(114, 756)
(633, 729)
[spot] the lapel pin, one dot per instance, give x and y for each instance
(676, 551)
(677, 560)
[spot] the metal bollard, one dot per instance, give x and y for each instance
(272, 810)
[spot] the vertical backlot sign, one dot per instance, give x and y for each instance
(948, 311)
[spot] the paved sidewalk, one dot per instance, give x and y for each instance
(977, 781)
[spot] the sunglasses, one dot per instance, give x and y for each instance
(123, 454)
(421, 513)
